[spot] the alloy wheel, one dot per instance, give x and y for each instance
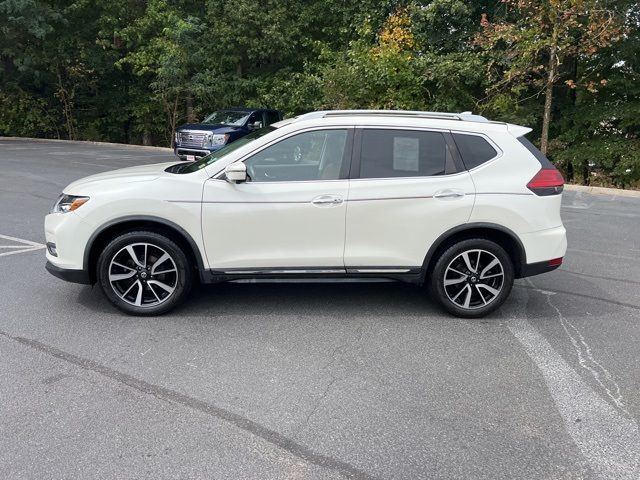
(143, 274)
(473, 279)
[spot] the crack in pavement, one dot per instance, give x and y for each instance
(585, 357)
(271, 436)
(607, 439)
(333, 358)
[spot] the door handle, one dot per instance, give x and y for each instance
(449, 194)
(327, 200)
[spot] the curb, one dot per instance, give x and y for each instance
(603, 191)
(88, 142)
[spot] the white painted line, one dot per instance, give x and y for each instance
(607, 438)
(27, 246)
(15, 252)
(585, 356)
(22, 240)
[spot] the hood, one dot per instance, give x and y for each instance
(141, 173)
(208, 127)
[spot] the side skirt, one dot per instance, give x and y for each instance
(314, 274)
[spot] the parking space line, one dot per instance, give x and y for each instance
(26, 246)
(607, 438)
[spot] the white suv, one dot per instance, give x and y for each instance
(454, 201)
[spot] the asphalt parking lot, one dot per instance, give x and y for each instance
(298, 381)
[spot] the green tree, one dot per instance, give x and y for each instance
(537, 37)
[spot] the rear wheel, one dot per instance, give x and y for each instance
(472, 278)
(144, 273)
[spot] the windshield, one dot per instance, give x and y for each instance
(218, 154)
(227, 117)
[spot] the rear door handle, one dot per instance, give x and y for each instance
(327, 200)
(449, 193)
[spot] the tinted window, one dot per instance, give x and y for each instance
(318, 155)
(544, 161)
(272, 117)
(256, 117)
(226, 117)
(474, 150)
(402, 153)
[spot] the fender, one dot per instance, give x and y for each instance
(471, 226)
(143, 218)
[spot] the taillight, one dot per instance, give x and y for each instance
(548, 181)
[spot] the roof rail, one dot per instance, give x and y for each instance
(464, 116)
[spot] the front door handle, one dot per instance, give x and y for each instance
(327, 200)
(449, 193)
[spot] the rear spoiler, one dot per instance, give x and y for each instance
(517, 130)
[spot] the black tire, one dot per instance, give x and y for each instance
(174, 272)
(452, 266)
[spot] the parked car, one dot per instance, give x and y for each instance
(195, 140)
(455, 202)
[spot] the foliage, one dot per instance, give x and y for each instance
(130, 71)
(528, 50)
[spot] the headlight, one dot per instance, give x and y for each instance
(177, 137)
(215, 139)
(68, 203)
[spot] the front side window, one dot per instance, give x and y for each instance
(317, 155)
(256, 117)
(403, 153)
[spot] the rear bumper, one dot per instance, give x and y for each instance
(531, 269)
(69, 275)
(545, 244)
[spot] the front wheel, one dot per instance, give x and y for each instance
(144, 273)
(472, 278)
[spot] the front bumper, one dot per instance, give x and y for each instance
(70, 234)
(69, 275)
(197, 152)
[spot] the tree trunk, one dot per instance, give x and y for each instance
(146, 137)
(548, 100)
(67, 107)
(191, 117)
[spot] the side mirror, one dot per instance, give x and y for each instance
(255, 125)
(236, 172)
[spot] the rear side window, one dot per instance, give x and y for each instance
(544, 161)
(474, 150)
(403, 153)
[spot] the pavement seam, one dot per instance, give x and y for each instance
(163, 393)
(583, 295)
